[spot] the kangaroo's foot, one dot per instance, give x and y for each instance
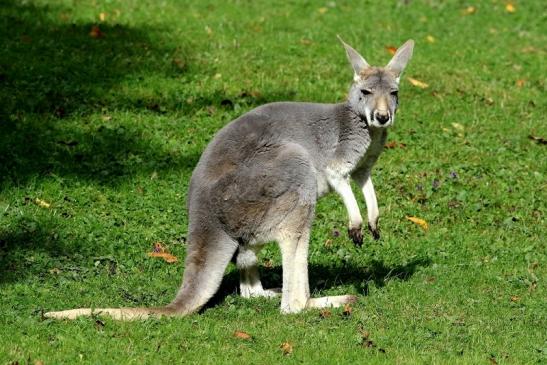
(256, 292)
(331, 302)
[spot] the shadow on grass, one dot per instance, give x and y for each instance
(53, 72)
(21, 251)
(325, 277)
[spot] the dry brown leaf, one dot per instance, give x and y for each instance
(470, 10)
(102, 16)
(347, 310)
(510, 8)
(286, 347)
(325, 313)
(42, 203)
(160, 251)
(391, 49)
(242, 335)
(306, 41)
(55, 271)
(515, 298)
(520, 82)
(422, 223)
(164, 255)
(95, 32)
(418, 83)
(394, 144)
(38, 362)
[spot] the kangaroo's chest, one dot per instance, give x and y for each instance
(375, 148)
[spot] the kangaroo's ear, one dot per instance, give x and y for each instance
(357, 61)
(401, 58)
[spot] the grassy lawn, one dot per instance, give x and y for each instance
(100, 129)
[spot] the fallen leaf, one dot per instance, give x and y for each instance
(430, 39)
(391, 49)
(160, 251)
(306, 41)
(164, 255)
(242, 335)
(38, 362)
(510, 8)
(42, 203)
(96, 32)
(470, 10)
(347, 310)
(325, 313)
(492, 359)
(394, 144)
(55, 271)
(515, 298)
(520, 82)
(539, 140)
(418, 83)
(422, 223)
(323, 10)
(102, 17)
(286, 347)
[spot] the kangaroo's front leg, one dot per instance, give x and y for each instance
(342, 186)
(365, 182)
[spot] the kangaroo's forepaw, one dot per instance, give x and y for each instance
(356, 235)
(375, 232)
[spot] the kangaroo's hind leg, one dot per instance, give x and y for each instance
(250, 284)
(209, 252)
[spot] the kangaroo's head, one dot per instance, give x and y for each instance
(374, 93)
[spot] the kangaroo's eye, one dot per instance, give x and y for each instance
(395, 93)
(366, 92)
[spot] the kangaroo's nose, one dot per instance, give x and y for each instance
(382, 118)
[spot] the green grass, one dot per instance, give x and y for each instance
(107, 131)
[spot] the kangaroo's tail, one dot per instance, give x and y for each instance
(206, 260)
(123, 314)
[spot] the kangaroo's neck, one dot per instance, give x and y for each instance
(354, 138)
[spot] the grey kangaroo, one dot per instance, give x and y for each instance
(259, 180)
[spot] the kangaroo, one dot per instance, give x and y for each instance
(259, 180)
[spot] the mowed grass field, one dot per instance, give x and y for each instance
(106, 107)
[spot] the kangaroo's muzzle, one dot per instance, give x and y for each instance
(382, 117)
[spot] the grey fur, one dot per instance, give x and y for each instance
(259, 180)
